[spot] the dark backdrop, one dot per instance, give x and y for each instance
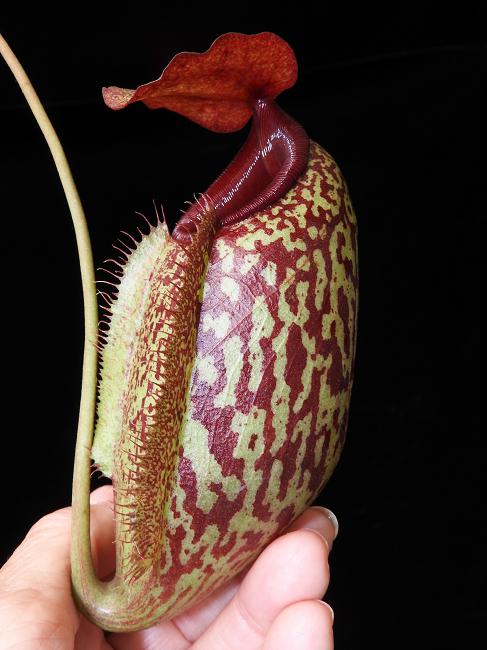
(396, 97)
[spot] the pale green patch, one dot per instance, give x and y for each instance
(233, 360)
(321, 278)
(319, 449)
(230, 288)
(302, 428)
(226, 255)
(274, 484)
(269, 273)
(250, 260)
(220, 325)
(206, 369)
(303, 263)
(313, 232)
(262, 326)
(309, 343)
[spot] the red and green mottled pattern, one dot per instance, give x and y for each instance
(265, 416)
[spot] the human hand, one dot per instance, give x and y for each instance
(274, 605)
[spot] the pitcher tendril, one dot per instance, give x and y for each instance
(81, 483)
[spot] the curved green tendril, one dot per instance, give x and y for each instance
(80, 547)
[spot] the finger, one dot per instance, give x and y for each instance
(103, 494)
(102, 531)
(35, 582)
(89, 637)
(189, 626)
(293, 568)
(307, 625)
(196, 620)
(36, 603)
(42, 559)
(321, 520)
(179, 633)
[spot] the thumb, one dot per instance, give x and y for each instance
(43, 558)
(35, 585)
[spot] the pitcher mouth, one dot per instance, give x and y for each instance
(273, 157)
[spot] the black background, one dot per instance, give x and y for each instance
(396, 96)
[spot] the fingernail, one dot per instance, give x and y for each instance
(332, 517)
(330, 608)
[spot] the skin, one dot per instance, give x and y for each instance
(274, 605)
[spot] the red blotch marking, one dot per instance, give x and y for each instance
(296, 361)
(224, 549)
(285, 517)
(261, 510)
(223, 443)
(253, 540)
(187, 481)
(344, 315)
(345, 261)
(335, 378)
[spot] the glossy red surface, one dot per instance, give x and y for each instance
(268, 165)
